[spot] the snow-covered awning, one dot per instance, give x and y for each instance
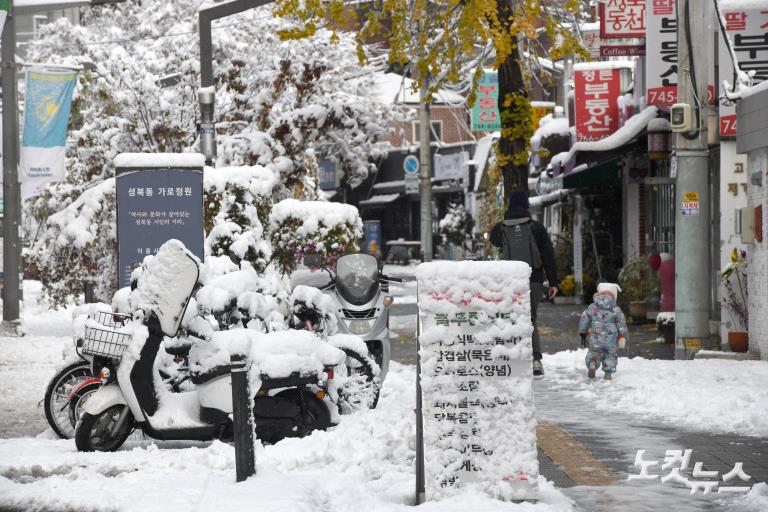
(635, 125)
(380, 200)
(548, 199)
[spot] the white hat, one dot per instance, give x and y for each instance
(611, 288)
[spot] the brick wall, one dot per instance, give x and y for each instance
(454, 121)
(758, 260)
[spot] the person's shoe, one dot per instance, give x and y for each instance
(538, 369)
(608, 375)
(591, 368)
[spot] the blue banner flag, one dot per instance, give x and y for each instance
(46, 115)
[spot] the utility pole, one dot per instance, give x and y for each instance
(425, 169)
(11, 193)
(692, 234)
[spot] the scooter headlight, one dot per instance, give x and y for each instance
(360, 326)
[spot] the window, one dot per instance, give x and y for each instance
(436, 134)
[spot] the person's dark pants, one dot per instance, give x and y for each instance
(537, 292)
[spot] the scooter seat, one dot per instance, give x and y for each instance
(201, 377)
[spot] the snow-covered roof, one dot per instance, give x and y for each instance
(557, 126)
(144, 160)
(631, 129)
(379, 199)
(607, 64)
(391, 88)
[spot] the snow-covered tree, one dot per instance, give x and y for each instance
(278, 105)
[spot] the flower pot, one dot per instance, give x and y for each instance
(638, 310)
(738, 341)
(668, 331)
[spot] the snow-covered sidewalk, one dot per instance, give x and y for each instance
(711, 395)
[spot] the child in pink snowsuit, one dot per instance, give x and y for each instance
(604, 323)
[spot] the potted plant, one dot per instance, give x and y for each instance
(736, 300)
(567, 289)
(636, 287)
(665, 323)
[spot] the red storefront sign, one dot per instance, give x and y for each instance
(597, 90)
(621, 19)
(748, 32)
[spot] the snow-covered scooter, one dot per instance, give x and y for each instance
(361, 293)
(291, 376)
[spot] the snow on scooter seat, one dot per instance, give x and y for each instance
(275, 354)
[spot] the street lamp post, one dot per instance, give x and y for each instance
(11, 193)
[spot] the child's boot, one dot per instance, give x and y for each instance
(591, 367)
(608, 375)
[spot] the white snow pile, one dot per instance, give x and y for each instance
(314, 216)
(549, 126)
(315, 299)
(77, 224)
(476, 375)
(366, 462)
(153, 160)
(221, 292)
(713, 394)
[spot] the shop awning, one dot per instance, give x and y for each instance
(604, 174)
(380, 200)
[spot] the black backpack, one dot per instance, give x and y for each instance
(518, 242)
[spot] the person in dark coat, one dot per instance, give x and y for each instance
(518, 209)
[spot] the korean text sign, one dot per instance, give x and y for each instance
(476, 379)
(620, 19)
(661, 55)
(597, 111)
(748, 32)
(485, 111)
(154, 206)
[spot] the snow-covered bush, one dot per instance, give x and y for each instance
(301, 228)
(78, 244)
(456, 224)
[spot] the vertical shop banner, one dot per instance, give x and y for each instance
(154, 205)
(485, 111)
(661, 57)
(597, 89)
(46, 115)
(476, 379)
(748, 33)
(621, 19)
(372, 233)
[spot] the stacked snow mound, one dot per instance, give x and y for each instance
(476, 379)
(223, 291)
(259, 180)
(275, 354)
(313, 298)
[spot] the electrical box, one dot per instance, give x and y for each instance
(681, 118)
(747, 225)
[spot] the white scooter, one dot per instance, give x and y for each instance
(289, 402)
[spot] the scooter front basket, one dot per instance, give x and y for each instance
(104, 341)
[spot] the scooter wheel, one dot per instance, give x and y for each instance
(56, 401)
(94, 431)
(316, 416)
(357, 386)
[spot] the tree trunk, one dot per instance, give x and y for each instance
(511, 81)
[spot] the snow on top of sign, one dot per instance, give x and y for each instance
(144, 160)
(589, 27)
(746, 92)
(606, 64)
(485, 285)
(380, 199)
(258, 179)
(742, 5)
(311, 213)
(631, 129)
